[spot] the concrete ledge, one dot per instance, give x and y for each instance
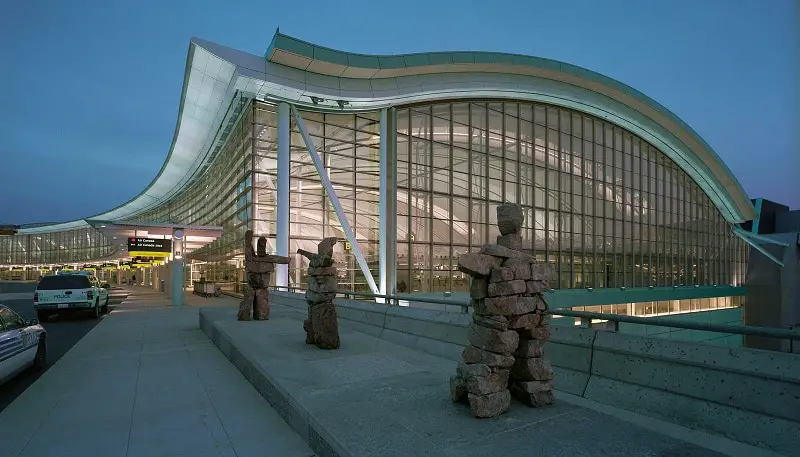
(729, 391)
(373, 397)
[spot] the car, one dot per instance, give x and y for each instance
(23, 344)
(70, 293)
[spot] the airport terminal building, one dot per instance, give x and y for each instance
(404, 158)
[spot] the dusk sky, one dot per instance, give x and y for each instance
(89, 92)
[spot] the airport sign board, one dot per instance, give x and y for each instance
(138, 246)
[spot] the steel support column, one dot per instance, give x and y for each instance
(282, 227)
(390, 235)
(334, 199)
(383, 212)
(752, 239)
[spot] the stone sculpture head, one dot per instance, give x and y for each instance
(325, 247)
(261, 246)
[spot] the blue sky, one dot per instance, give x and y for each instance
(89, 91)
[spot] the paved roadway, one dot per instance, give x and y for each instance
(62, 334)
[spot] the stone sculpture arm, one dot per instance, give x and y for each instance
(306, 254)
(270, 258)
(249, 252)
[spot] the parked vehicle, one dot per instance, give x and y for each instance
(23, 344)
(66, 293)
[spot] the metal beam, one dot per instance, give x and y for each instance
(391, 202)
(334, 199)
(748, 238)
(282, 226)
(383, 211)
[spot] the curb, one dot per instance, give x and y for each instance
(309, 429)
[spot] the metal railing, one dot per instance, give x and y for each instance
(586, 316)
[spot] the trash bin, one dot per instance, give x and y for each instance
(162, 287)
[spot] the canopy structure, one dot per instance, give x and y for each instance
(195, 237)
(323, 79)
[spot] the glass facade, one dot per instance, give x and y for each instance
(348, 145)
(606, 208)
(68, 246)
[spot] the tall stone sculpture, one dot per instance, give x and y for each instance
(258, 270)
(509, 325)
(321, 326)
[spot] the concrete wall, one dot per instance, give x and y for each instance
(749, 395)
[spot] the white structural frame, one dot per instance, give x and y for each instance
(282, 227)
(383, 212)
(334, 199)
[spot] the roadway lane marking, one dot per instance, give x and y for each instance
(16, 296)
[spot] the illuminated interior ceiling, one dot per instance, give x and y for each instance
(319, 78)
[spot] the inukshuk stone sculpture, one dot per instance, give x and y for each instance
(509, 325)
(321, 326)
(258, 270)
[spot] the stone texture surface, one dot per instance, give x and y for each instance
(520, 267)
(535, 386)
(472, 354)
(501, 274)
(503, 306)
(495, 381)
(261, 312)
(258, 269)
(325, 325)
(478, 288)
(476, 264)
(509, 218)
(543, 272)
(509, 324)
(491, 405)
(458, 389)
(502, 252)
(321, 326)
(525, 321)
(505, 288)
(530, 348)
(535, 369)
(535, 399)
(535, 287)
(493, 340)
(510, 240)
(538, 333)
(490, 321)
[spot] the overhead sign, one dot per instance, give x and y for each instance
(149, 247)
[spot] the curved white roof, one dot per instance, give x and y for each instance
(295, 71)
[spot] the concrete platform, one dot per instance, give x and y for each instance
(145, 382)
(376, 398)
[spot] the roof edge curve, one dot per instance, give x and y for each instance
(302, 55)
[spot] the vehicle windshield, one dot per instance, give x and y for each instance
(64, 282)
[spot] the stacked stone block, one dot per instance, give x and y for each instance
(321, 326)
(258, 267)
(509, 325)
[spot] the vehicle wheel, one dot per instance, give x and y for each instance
(40, 361)
(96, 310)
(104, 309)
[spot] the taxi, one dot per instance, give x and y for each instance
(23, 344)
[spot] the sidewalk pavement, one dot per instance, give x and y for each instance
(373, 397)
(146, 382)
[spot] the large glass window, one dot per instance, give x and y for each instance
(603, 206)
